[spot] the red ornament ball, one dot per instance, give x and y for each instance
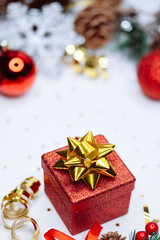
(151, 228)
(141, 235)
(149, 74)
(17, 73)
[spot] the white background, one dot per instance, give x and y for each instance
(41, 120)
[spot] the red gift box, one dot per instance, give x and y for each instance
(78, 206)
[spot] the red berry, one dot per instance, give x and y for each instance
(149, 74)
(141, 235)
(151, 228)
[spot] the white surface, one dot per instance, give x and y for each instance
(41, 120)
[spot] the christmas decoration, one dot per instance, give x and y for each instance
(148, 74)
(156, 42)
(52, 37)
(19, 197)
(96, 229)
(17, 72)
(40, 3)
(112, 236)
(152, 30)
(81, 62)
(131, 36)
(141, 235)
(31, 4)
(46, 40)
(96, 24)
(3, 6)
(92, 234)
(151, 228)
(86, 160)
(83, 3)
(74, 201)
(20, 222)
(122, 12)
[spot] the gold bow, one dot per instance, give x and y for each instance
(86, 160)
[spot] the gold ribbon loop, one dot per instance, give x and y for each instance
(15, 204)
(31, 186)
(19, 222)
(11, 211)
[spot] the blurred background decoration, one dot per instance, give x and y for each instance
(30, 3)
(44, 29)
(42, 34)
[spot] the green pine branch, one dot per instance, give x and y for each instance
(134, 40)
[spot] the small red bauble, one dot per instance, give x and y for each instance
(17, 72)
(151, 228)
(141, 235)
(149, 74)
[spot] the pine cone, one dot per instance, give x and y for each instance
(39, 3)
(3, 6)
(157, 16)
(156, 43)
(125, 12)
(112, 2)
(112, 236)
(96, 23)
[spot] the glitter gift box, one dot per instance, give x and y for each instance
(79, 206)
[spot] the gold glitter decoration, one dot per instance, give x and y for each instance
(86, 160)
(81, 62)
(15, 204)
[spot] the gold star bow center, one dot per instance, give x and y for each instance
(87, 162)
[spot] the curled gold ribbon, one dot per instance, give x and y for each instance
(31, 186)
(82, 62)
(19, 222)
(11, 211)
(147, 216)
(15, 204)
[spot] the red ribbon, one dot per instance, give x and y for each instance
(93, 234)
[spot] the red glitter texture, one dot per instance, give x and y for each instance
(78, 206)
(149, 74)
